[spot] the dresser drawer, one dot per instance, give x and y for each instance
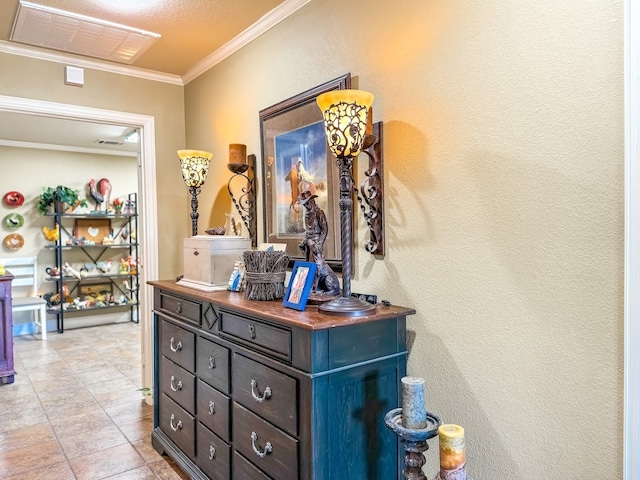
(178, 345)
(178, 384)
(213, 409)
(267, 447)
(243, 470)
(187, 310)
(267, 392)
(213, 454)
(212, 364)
(178, 425)
(262, 336)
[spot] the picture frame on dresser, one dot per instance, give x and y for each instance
(295, 156)
(300, 284)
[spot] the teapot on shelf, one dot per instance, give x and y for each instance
(53, 272)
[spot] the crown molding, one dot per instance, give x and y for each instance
(58, 57)
(269, 20)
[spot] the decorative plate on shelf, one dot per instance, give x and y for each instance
(13, 221)
(14, 241)
(13, 199)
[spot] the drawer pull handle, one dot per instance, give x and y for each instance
(252, 332)
(265, 396)
(173, 387)
(173, 346)
(212, 452)
(268, 448)
(177, 427)
(212, 363)
(179, 307)
(212, 407)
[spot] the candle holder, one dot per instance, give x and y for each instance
(414, 441)
(371, 193)
(246, 202)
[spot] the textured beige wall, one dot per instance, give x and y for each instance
(504, 176)
(42, 80)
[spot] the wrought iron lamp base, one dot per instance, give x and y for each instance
(347, 306)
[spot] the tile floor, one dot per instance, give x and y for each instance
(75, 412)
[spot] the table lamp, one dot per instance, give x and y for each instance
(345, 122)
(195, 166)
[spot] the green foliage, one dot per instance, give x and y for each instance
(146, 391)
(64, 195)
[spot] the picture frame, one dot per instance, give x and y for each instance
(294, 150)
(300, 284)
(93, 229)
(96, 289)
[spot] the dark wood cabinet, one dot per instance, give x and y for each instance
(7, 372)
(254, 390)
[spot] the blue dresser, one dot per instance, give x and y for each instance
(253, 390)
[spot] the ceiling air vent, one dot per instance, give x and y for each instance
(48, 27)
(109, 142)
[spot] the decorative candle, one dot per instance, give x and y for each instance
(237, 153)
(369, 130)
(414, 408)
(452, 454)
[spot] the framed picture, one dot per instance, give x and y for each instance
(295, 154)
(96, 290)
(94, 229)
(299, 285)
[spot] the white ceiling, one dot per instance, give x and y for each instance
(33, 131)
(190, 30)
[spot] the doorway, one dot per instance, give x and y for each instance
(632, 241)
(148, 220)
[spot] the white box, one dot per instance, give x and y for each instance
(209, 260)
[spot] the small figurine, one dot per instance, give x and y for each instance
(124, 266)
(129, 207)
(117, 206)
(325, 281)
(133, 265)
(51, 234)
(100, 192)
(69, 271)
(104, 267)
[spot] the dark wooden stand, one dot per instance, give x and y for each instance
(7, 371)
(414, 442)
(251, 390)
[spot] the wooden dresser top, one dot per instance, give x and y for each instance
(309, 319)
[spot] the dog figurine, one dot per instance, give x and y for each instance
(326, 281)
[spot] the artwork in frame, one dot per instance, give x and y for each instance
(100, 291)
(300, 284)
(93, 229)
(295, 156)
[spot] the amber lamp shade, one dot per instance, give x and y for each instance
(345, 123)
(345, 120)
(195, 166)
